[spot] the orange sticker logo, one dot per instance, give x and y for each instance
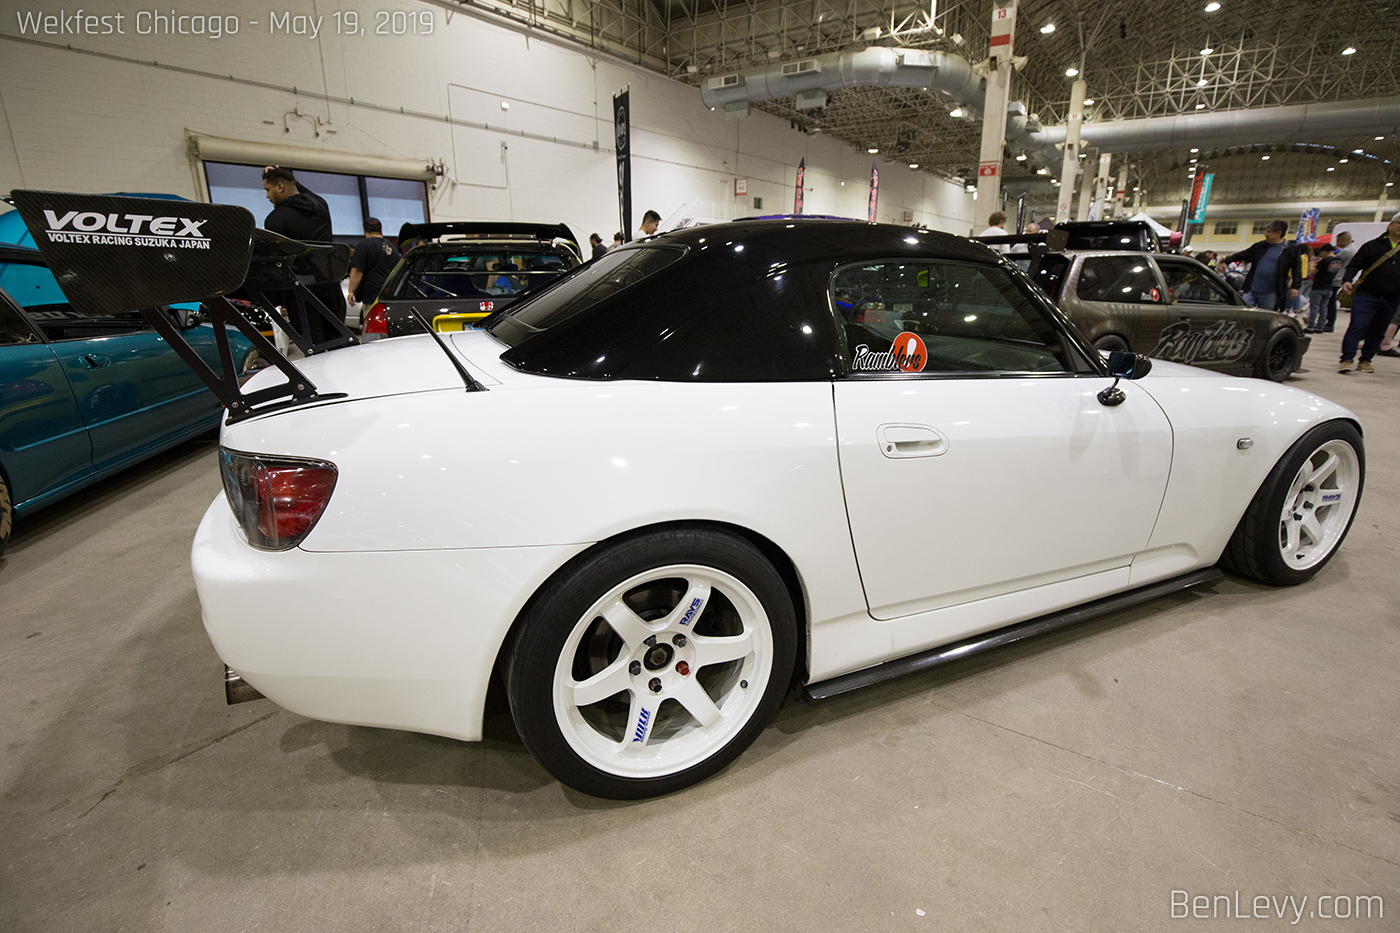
(910, 354)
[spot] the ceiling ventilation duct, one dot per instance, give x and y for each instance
(1377, 117)
(809, 79)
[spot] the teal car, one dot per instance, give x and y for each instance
(82, 397)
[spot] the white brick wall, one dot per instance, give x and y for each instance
(96, 123)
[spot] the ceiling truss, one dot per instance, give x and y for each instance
(1138, 59)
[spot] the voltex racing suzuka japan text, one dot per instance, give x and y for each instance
(125, 230)
(173, 22)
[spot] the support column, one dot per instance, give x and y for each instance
(1101, 187)
(1121, 191)
(1380, 204)
(1071, 161)
(994, 112)
(1086, 185)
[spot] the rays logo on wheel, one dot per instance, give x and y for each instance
(642, 719)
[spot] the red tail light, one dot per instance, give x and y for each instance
(377, 321)
(277, 500)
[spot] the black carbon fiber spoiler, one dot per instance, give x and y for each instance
(111, 254)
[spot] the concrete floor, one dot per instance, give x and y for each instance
(1241, 739)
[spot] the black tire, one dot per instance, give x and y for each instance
(7, 514)
(1279, 357)
(562, 644)
(1111, 343)
(1261, 546)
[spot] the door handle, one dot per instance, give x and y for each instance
(898, 441)
(94, 360)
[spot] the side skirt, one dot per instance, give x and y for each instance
(958, 650)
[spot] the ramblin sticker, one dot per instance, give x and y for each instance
(92, 228)
(906, 354)
(1222, 342)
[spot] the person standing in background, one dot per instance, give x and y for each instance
(596, 242)
(1275, 269)
(370, 264)
(1374, 297)
(1325, 271)
(996, 226)
(650, 221)
(1345, 250)
(300, 214)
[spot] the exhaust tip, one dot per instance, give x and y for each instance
(238, 690)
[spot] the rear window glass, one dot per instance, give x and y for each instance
(478, 271)
(610, 274)
(1125, 279)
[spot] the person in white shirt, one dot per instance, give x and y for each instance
(997, 219)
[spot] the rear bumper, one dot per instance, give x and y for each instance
(397, 639)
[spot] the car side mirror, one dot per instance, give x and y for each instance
(1123, 364)
(187, 318)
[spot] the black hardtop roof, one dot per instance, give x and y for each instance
(799, 240)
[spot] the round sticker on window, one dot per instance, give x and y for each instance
(910, 354)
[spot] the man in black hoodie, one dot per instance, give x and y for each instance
(301, 214)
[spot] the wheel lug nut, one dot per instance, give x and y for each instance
(744, 684)
(682, 668)
(635, 668)
(655, 685)
(678, 641)
(650, 641)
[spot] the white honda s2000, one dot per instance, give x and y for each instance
(725, 462)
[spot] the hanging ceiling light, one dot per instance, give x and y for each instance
(1071, 72)
(1349, 50)
(1207, 50)
(1047, 29)
(1212, 6)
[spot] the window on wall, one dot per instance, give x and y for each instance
(1259, 227)
(1227, 228)
(352, 198)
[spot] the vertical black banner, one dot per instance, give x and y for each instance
(801, 171)
(622, 126)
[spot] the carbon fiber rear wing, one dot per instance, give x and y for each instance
(111, 254)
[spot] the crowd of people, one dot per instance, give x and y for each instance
(1313, 281)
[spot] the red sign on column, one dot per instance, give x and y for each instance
(988, 169)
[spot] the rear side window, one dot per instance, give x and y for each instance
(1048, 271)
(1124, 279)
(929, 317)
(609, 275)
(1192, 283)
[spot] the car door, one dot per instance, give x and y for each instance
(43, 441)
(1205, 327)
(976, 458)
(1118, 294)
